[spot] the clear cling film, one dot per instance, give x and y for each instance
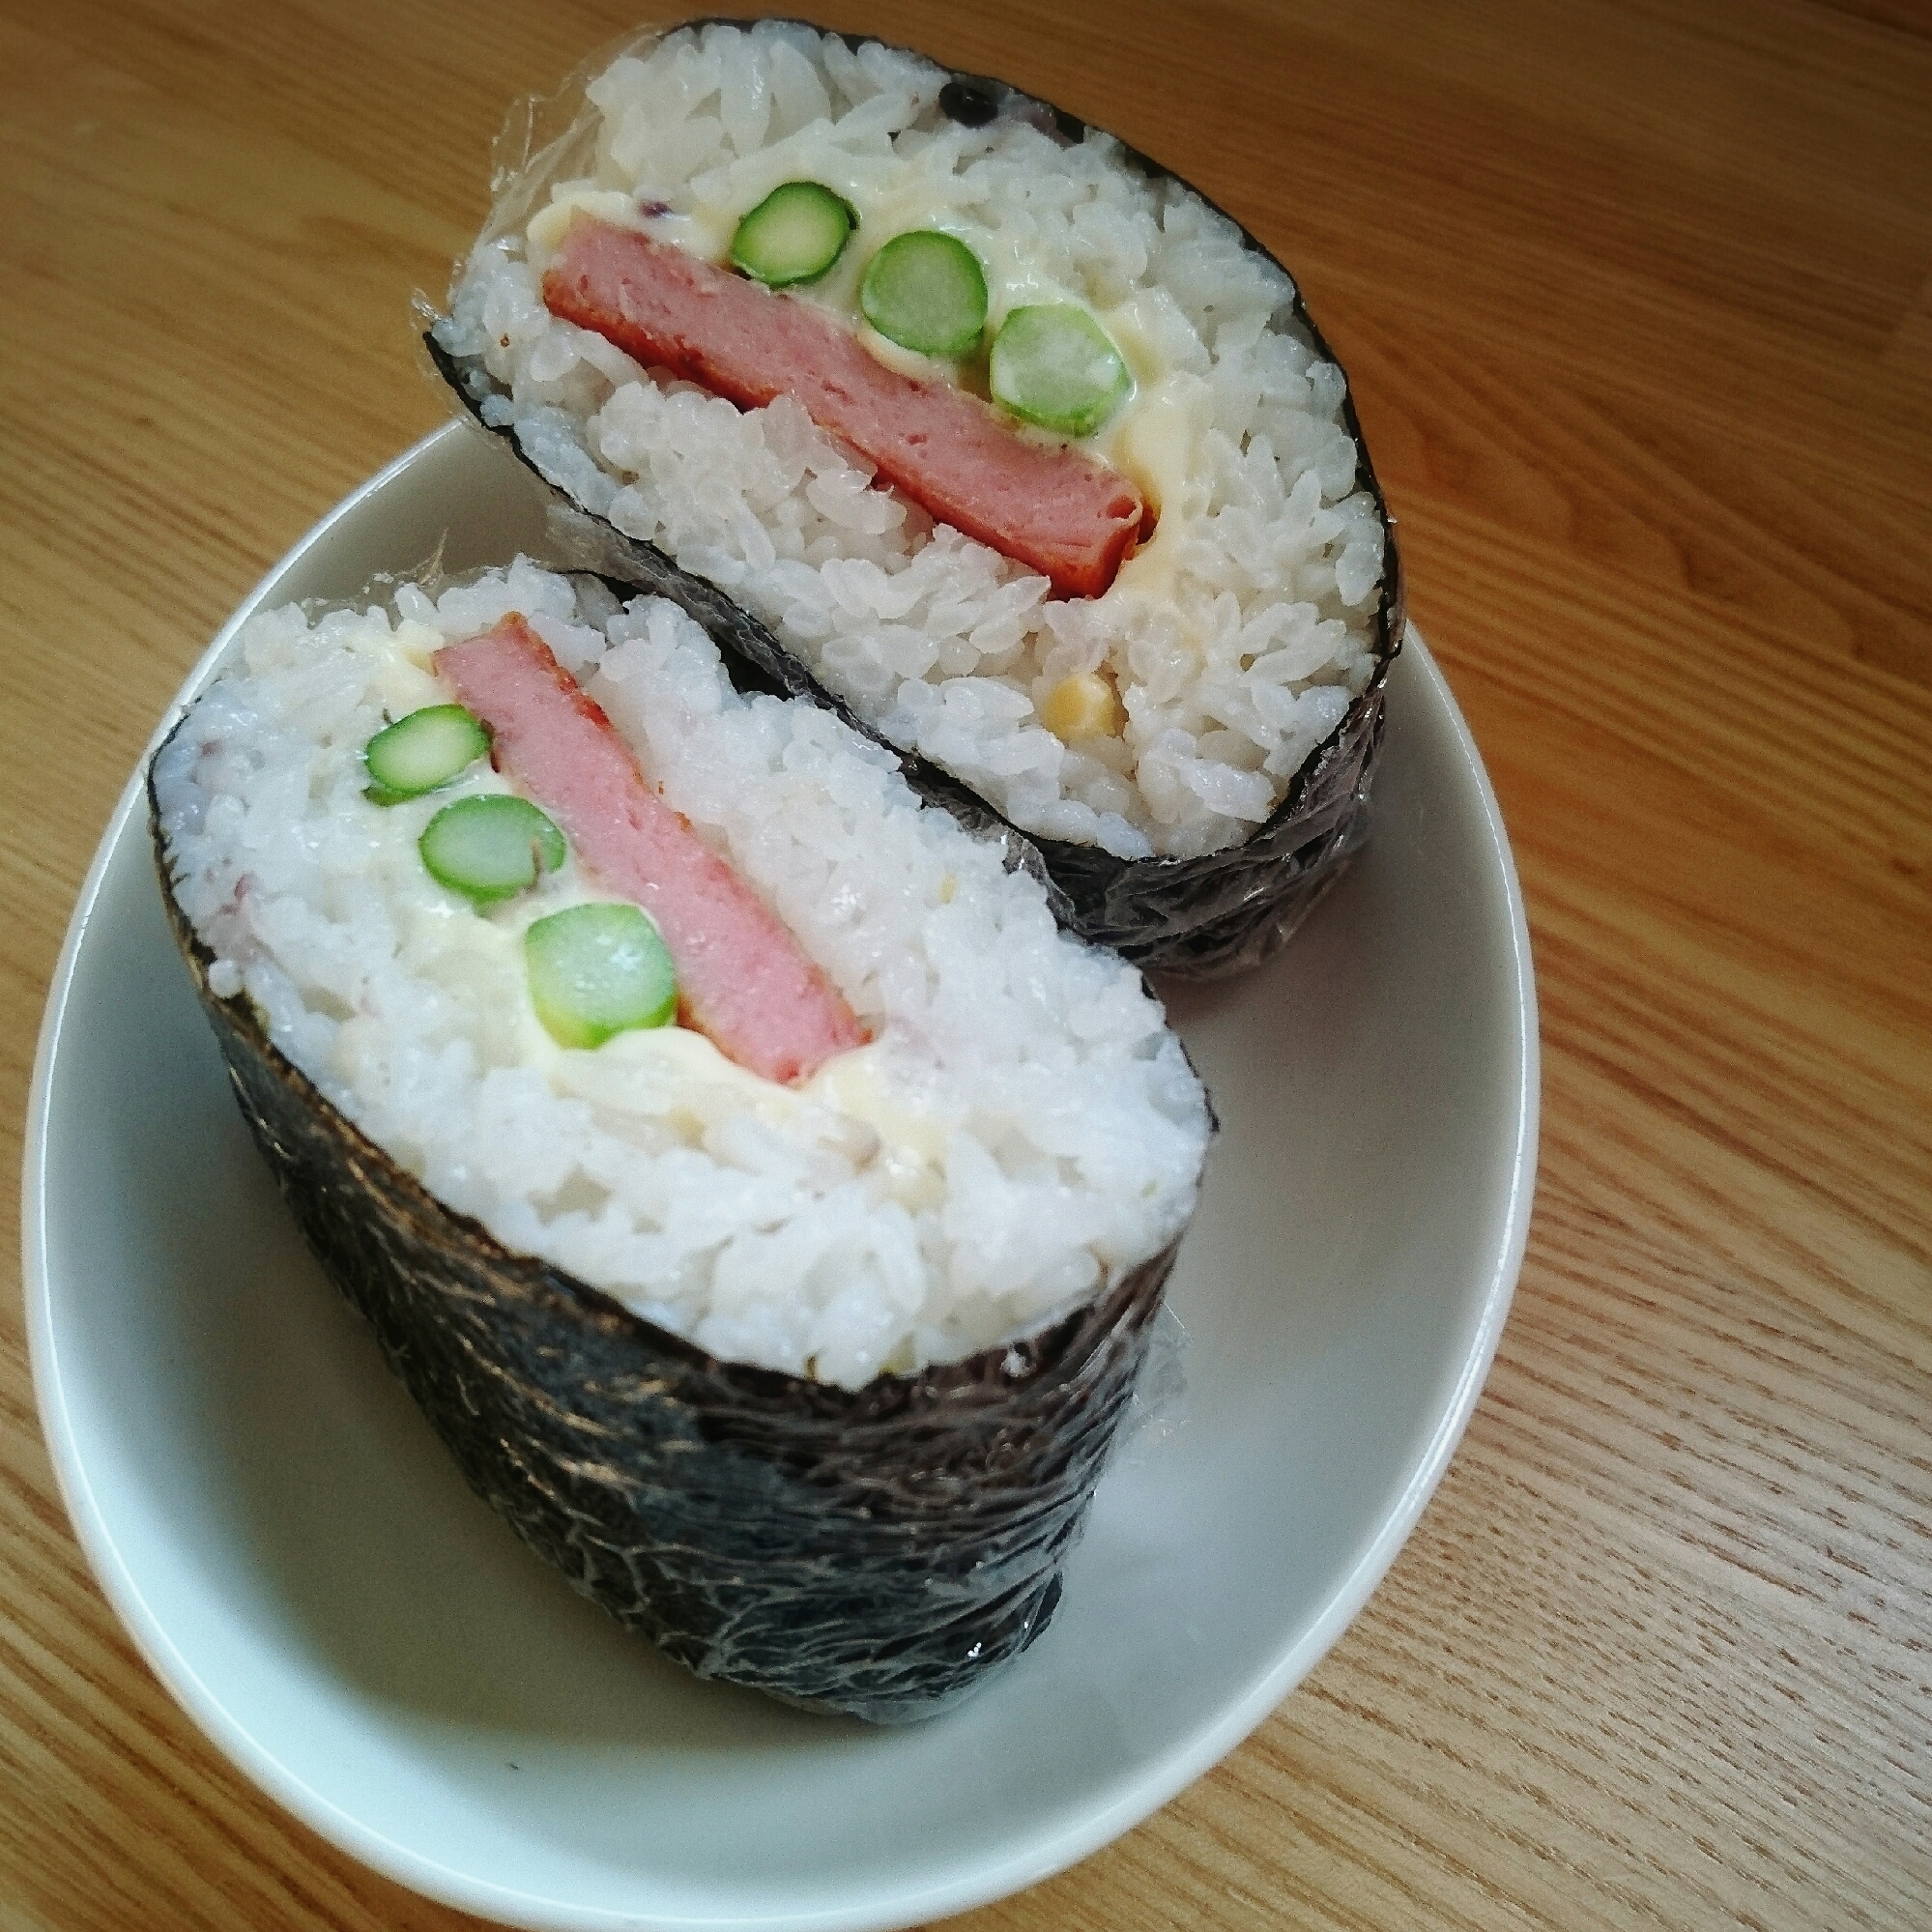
(880, 1553)
(1188, 824)
(988, 1172)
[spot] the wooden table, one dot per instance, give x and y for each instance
(1638, 301)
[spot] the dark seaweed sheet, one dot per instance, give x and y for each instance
(1196, 917)
(880, 1551)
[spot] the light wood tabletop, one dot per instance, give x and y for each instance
(1636, 300)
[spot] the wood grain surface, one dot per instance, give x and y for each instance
(1638, 301)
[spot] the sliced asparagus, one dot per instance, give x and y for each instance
(793, 235)
(491, 846)
(926, 291)
(419, 753)
(1055, 365)
(597, 970)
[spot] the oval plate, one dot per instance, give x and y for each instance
(307, 1573)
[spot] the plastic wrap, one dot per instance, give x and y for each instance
(1197, 917)
(880, 1551)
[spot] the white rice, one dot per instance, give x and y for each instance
(1023, 1128)
(1235, 641)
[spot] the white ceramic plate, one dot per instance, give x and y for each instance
(305, 1571)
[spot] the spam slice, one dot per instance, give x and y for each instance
(1046, 506)
(743, 981)
(1180, 709)
(811, 1378)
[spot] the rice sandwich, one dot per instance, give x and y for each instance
(760, 1194)
(957, 413)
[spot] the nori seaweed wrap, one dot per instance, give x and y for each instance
(1214, 875)
(878, 1545)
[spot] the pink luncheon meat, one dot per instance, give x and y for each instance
(1048, 507)
(742, 980)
